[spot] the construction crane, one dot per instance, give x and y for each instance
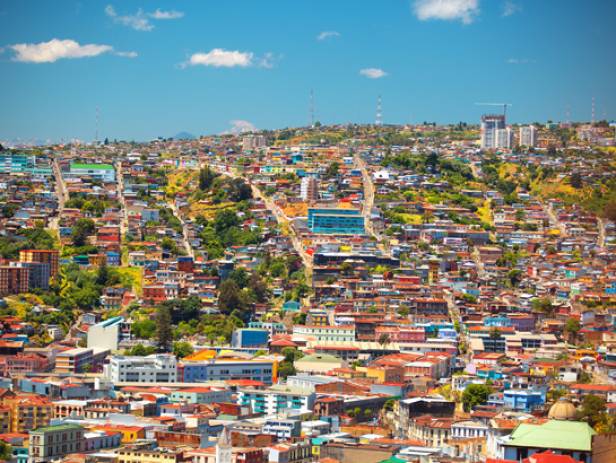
(504, 105)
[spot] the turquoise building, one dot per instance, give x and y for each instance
(336, 221)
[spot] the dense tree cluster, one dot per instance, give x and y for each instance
(25, 238)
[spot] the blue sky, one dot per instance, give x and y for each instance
(155, 68)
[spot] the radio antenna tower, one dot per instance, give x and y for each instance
(97, 119)
(379, 112)
(592, 115)
(568, 114)
(311, 109)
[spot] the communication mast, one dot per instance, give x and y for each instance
(592, 115)
(379, 112)
(97, 120)
(311, 109)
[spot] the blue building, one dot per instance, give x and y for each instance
(336, 221)
(249, 337)
(291, 306)
(113, 258)
(17, 163)
(497, 320)
(227, 370)
(523, 400)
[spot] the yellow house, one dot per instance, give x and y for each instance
(129, 433)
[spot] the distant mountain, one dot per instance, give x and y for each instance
(184, 136)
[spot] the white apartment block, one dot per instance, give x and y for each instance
(528, 136)
(276, 399)
(156, 368)
(504, 138)
(326, 333)
(253, 142)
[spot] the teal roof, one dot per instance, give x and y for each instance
(92, 166)
(111, 321)
(394, 459)
(553, 434)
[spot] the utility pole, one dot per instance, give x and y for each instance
(97, 120)
(311, 109)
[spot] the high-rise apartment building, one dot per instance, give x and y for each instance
(253, 142)
(490, 124)
(309, 189)
(43, 256)
(14, 279)
(528, 136)
(504, 138)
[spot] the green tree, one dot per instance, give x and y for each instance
(332, 169)
(259, 288)
(141, 350)
(230, 298)
(576, 180)
(206, 177)
(6, 451)
(240, 276)
(182, 349)
(584, 377)
(285, 370)
(592, 410)
(81, 230)
(515, 277)
(475, 394)
(102, 275)
(572, 327)
(163, 329)
(544, 305)
(144, 329)
(432, 161)
(403, 311)
(609, 211)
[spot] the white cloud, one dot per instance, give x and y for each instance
(126, 54)
(162, 15)
(220, 58)
(372, 73)
(55, 49)
(266, 61)
(449, 10)
(510, 8)
(241, 126)
(138, 21)
(328, 35)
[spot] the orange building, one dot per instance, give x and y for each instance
(27, 411)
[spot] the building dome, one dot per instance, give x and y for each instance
(562, 410)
